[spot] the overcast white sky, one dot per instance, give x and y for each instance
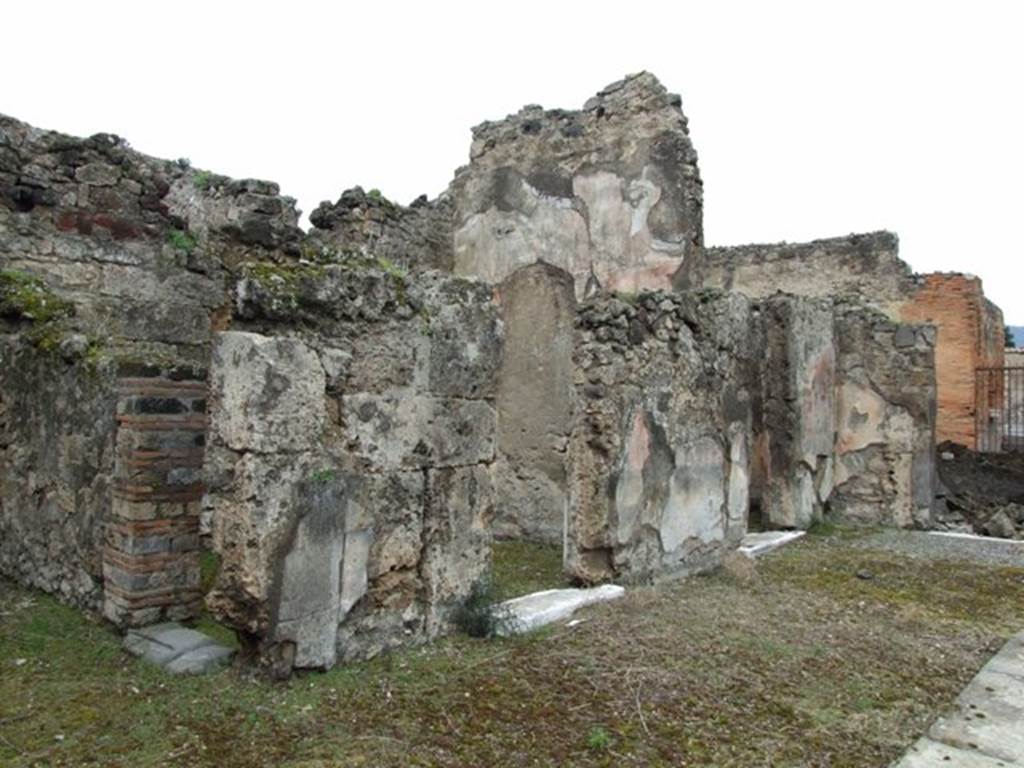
(810, 119)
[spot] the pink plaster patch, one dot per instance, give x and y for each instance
(639, 449)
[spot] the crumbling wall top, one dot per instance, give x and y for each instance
(414, 236)
(638, 99)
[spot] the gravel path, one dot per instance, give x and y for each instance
(931, 546)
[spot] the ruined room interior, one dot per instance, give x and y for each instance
(548, 351)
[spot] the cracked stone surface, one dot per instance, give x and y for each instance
(178, 649)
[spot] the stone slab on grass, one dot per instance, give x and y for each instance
(177, 648)
(539, 609)
(201, 660)
(763, 542)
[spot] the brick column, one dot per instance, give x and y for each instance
(151, 557)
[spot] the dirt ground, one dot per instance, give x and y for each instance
(983, 492)
(835, 654)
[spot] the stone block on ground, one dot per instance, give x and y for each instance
(539, 609)
(177, 649)
(763, 542)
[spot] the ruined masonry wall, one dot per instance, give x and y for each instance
(350, 426)
(659, 452)
(418, 236)
(970, 335)
(692, 406)
(846, 429)
(867, 265)
(352, 440)
(554, 206)
(138, 254)
(57, 444)
(885, 420)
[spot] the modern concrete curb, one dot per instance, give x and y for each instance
(986, 727)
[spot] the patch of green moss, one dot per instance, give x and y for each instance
(821, 528)
(323, 476)
(279, 278)
(202, 179)
(25, 297)
(282, 281)
(182, 241)
(209, 567)
(268, 271)
(94, 355)
(377, 196)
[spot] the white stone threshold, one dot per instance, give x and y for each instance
(761, 543)
(530, 612)
(976, 537)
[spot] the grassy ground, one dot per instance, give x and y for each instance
(522, 567)
(832, 656)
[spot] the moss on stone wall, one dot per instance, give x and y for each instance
(24, 297)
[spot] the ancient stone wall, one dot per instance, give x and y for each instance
(846, 427)
(659, 450)
(555, 205)
(885, 420)
(350, 457)
(114, 270)
(57, 444)
(695, 406)
(350, 427)
(866, 269)
(611, 193)
(867, 265)
(970, 336)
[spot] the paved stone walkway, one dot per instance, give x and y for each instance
(986, 727)
(178, 649)
(934, 545)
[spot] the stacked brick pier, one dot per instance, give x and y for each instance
(151, 557)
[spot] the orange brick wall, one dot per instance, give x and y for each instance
(970, 335)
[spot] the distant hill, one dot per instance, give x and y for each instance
(1018, 335)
